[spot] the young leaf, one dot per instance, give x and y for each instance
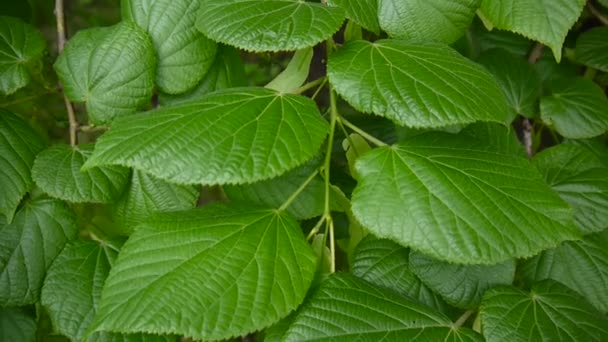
(455, 199)
(550, 312)
(436, 20)
(57, 172)
(416, 84)
(268, 25)
(346, 308)
(384, 263)
(15, 325)
(577, 108)
(363, 12)
(235, 135)
(111, 69)
(295, 74)
(21, 45)
(581, 265)
(19, 144)
(547, 22)
(29, 245)
(147, 195)
(461, 285)
(581, 180)
(183, 54)
(209, 273)
(592, 48)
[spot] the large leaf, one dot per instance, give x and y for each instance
(580, 265)
(19, 144)
(416, 84)
(549, 312)
(184, 55)
(495, 137)
(461, 285)
(580, 178)
(209, 273)
(346, 308)
(577, 108)
(15, 325)
(546, 21)
(363, 12)
(598, 147)
(147, 195)
(592, 48)
(268, 25)
(57, 172)
(517, 78)
(111, 69)
(438, 20)
(455, 199)
(232, 136)
(29, 245)
(21, 46)
(384, 263)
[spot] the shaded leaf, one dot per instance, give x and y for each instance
(592, 48)
(495, 137)
(295, 74)
(596, 146)
(15, 325)
(363, 12)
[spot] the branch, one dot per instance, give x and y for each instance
(528, 129)
(596, 13)
(60, 45)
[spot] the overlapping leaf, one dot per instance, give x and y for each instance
(209, 273)
(268, 25)
(592, 48)
(231, 136)
(549, 312)
(112, 69)
(19, 144)
(57, 172)
(416, 84)
(16, 325)
(597, 146)
(363, 12)
(184, 55)
(457, 200)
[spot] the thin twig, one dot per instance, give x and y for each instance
(536, 53)
(527, 128)
(309, 85)
(361, 132)
(596, 13)
(298, 191)
(463, 318)
(61, 39)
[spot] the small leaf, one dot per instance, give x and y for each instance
(231, 136)
(346, 308)
(15, 325)
(363, 12)
(581, 265)
(436, 20)
(416, 84)
(57, 172)
(547, 22)
(461, 285)
(21, 46)
(19, 144)
(577, 108)
(455, 199)
(29, 246)
(550, 312)
(184, 55)
(580, 179)
(295, 74)
(111, 69)
(592, 48)
(209, 273)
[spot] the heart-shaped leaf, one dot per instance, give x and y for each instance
(592, 48)
(363, 12)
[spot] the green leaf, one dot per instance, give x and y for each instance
(19, 144)
(147, 195)
(363, 12)
(495, 39)
(581, 265)
(57, 172)
(596, 146)
(29, 245)
(384, 263)
(461, 285)
(517, 78)
(227, 71)
(549, 312)
(268, 25)
(111, 69)
(245, 268)
(21, 46)
(184, 55)
(437, 20)
(579, 177)
(346, 308)
(495, 137)
(458, 200)
(592, 48)
(577, 108)
(295, 74)
(231, 136)
(15, 325)
(547, 22)
(416, 84)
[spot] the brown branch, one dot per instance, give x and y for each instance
(527, 128)
(596, 13)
